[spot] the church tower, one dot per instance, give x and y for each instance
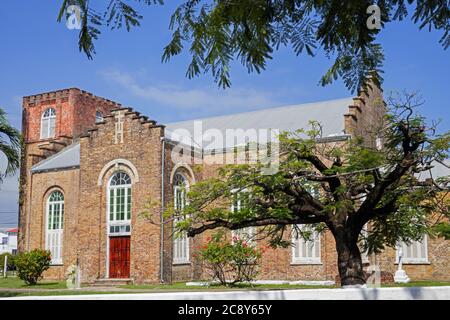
(52, 121)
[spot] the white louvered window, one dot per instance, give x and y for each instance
(181, 240)
(55, 226)
(119, 205)
(48, 123)
(305, 251)
(244, 234)
(415, 252)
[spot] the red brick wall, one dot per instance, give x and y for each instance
(75, 112)
(141, 147)
(85, 226)
(43, 184)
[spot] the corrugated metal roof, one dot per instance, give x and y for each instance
(289, 118)
(67, 158)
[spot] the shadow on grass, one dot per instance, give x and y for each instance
(9, 294)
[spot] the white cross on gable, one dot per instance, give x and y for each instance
(118, 135)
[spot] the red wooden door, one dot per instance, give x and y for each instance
(119, 257)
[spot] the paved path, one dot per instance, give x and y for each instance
(418, 293)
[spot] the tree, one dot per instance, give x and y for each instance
(10, 144)
(220, 31)
(358, 184)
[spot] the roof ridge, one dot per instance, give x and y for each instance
(263, 109)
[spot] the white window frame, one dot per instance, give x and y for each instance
(181, 254)
(54, 237)
(119, 223)
(298, 241)
(48, 123)
(418, 246)
(246, 234)
(98, 116)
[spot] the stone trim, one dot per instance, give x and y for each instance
(116, 163)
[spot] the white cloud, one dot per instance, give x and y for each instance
(194, 99)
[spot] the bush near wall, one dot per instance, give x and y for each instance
(32, 264)
(230, 262)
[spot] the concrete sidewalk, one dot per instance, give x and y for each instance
(411, 293)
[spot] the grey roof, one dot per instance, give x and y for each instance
(289, 118)
(438, 170)
(68, 157)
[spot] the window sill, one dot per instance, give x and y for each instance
(303, 263)
(181, 263)
(415, 262)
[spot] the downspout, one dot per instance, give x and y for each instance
(28, 216)
(163, 161)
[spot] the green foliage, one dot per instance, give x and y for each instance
(217, 32)
(443, 230)
(10, 145)
(31, 265)
(329, 185)
(230, 262)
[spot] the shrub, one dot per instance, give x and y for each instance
(443, 230)
(30, 265)
(230, 263)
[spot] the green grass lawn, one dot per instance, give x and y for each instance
(418, 284)
(10, 294)
(16, 283)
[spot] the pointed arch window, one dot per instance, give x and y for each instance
(181, 240)
(48, 123)
(119, 206)
(55, 226)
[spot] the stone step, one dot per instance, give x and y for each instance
(111, 282)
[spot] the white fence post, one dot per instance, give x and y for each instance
(5, 267)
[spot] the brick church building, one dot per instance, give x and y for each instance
(90, 167)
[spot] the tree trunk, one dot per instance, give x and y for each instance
(349, 261)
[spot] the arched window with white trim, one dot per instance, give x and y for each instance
(181, 240)
(55, 226)
(48, 123)
(306, 251)
(119, 204)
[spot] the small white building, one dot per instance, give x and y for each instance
(8, 241)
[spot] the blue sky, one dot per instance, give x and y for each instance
(38, 55)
